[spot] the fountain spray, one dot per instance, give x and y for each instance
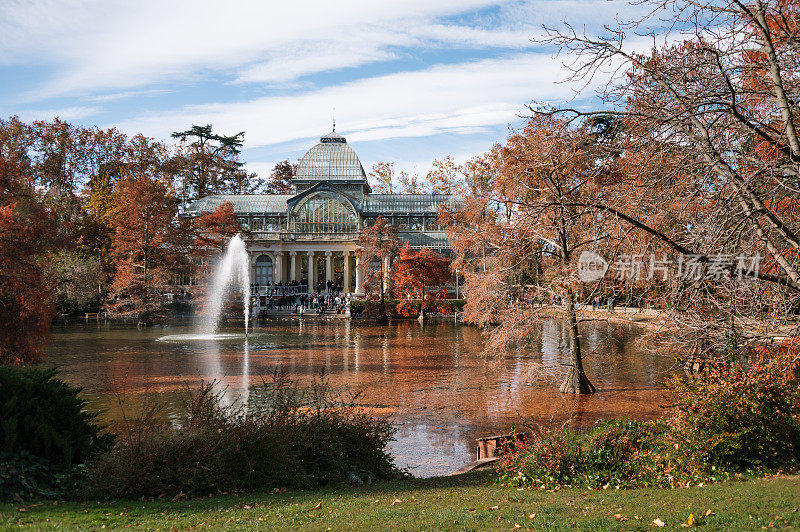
(234, 264)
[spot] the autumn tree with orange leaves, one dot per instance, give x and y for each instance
(146, 246)
(377, 248)
(212, 231)
(519, 235)
(416, 272)
(709, 161)
(26, 308)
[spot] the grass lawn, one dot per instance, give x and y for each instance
(467, 502)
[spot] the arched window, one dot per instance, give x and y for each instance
(324, 213)
(416, 224)
(263, 270)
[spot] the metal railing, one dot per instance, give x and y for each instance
(278, 291)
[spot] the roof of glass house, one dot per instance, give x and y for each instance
(242, 203)
(407, 203)
(332, 159)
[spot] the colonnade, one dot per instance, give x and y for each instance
(287, 266)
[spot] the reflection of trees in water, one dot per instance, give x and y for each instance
(435, 378)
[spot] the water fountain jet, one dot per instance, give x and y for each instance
(234, 264)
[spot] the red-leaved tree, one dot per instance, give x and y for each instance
(213, 230)
(144, 247)
(26, 309)
(377, 247)
(421, 275)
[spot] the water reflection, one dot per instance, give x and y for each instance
(433, 380)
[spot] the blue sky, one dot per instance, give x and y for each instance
(410, 81)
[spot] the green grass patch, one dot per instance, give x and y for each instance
(466, 502)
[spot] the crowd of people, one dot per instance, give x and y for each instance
(327, 296)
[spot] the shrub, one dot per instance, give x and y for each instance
(356, 307)
(45, 431)
(739, 418)
(732, 422)
(23, 476)
(44, 417)
(612, 453)
(286, 436)
(410, 308)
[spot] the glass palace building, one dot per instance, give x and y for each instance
(310, 237)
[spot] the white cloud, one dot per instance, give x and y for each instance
(65, 113)
(104, 45)
(458, 98)
(115, 96)
(293, 64)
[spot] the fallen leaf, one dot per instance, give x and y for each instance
(708, 512)
(317, 507)
(396, 501)
(658, 522)
(493, 508)
(531, 516)
(690, 521)
(516, 525)
(620, 517)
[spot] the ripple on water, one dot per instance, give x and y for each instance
(199, 337)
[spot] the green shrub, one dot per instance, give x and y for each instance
(739, 418)
(45, 432)
(43, 416)
(732, 422)
(24, 477)
(612, 454)
(356, 307)
(285, 437)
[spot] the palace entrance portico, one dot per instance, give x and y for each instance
(310, 265)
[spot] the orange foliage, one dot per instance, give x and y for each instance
(416, 272)
(377, 244)
(144, 250)
(25, 306)
(215, 229)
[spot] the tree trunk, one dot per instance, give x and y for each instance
(145, 319)
(576, 381)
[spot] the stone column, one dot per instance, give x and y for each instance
(387, 274)
(328, 266)
(277, 264)
(359, 276)
(311, 271)
(346, 272)
(292, 267)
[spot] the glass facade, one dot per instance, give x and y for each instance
(332, 202)
(324, 212)
(331, 159)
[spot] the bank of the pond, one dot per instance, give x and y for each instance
(472, 501)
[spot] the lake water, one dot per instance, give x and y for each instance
(434, 380)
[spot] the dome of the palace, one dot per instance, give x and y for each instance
(331, 160)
